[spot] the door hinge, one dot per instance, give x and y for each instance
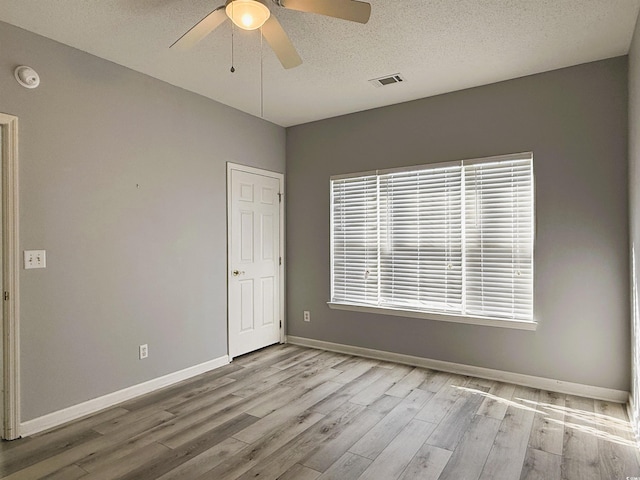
(6, 296)
(280, 197)
(280, 261)
(280, 323)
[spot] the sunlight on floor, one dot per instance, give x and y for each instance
(601, 426)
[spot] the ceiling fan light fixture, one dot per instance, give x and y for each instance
(247, 14)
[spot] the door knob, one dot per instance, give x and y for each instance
(235, 273)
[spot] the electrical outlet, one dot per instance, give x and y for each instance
(307, 316)
(144, 351)
(35, 259)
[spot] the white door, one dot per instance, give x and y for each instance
(254, 260)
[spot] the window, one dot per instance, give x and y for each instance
(453, 239)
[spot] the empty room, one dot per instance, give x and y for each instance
(320, 239)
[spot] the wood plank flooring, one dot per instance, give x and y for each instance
(293, 413)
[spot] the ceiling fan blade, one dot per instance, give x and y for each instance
(280, 43)
(201, 29)
(345, 9)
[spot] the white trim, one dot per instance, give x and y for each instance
(560, 386)
(633, 419)
(10, 270)
(96, 404)
(499, 158)
(487, 322)
(283, 270)
(280, 177)
(451, 163)
(254, 170)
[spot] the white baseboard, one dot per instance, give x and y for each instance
(96, 404)
(599, 393)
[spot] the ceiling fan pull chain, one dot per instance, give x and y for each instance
(233, 69)
(261, 74)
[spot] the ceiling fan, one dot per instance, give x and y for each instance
(253, 14)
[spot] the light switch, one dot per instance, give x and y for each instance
(35, 259)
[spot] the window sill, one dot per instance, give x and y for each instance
(442, 317)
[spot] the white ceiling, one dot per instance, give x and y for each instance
(437, 45)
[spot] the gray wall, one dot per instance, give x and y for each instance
(125, 265)
(634, 215)
(575, 122)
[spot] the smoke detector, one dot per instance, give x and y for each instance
(27, 76)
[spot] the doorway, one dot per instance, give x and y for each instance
(9, 265)
(255, 258)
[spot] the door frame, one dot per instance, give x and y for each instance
(10, 428)
(280, 177)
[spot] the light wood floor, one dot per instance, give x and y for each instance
(289, 413)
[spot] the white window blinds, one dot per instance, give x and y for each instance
(452, 238)
(499, 239)
(355, 240)
(421, 239)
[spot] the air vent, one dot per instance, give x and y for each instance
(387, 80)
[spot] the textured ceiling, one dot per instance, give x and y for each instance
(437, 45)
